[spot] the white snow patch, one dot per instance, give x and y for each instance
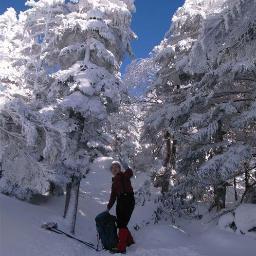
(23, 236)
(225, 221)
(245, 217)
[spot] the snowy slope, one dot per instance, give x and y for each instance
(21, 234)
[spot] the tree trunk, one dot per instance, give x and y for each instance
(220, 196)
(76, 195)
(55, 189)
(247, 177)
(235, 189)
(72, 203)
(167, 138)
(169, 162)
(68, 194)
(219, 189)
(250, 189)
(250, 196)
(173, 154)
(1, 170)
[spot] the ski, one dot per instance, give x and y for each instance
(52, 226)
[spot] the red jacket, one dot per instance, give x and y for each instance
(121, 183)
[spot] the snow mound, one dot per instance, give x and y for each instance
(226, 221)
(242, 221)
(245, 217)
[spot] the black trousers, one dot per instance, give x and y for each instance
(124, 208)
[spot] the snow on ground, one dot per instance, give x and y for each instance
(241, 221)
(21, 235)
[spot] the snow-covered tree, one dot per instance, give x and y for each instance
(15, 155)
(70, 56)
(203, 97)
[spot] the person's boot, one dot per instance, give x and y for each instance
(115, 250)
(130, 240)
(123, 235)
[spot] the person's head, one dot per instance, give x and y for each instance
(115, 168)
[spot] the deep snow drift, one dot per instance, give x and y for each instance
(21, 234)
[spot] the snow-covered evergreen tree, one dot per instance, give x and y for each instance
(203, 95)
(69, 54)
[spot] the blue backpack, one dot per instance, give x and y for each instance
(107, 230)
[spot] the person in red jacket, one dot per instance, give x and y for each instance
(122, 192)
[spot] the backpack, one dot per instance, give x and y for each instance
(107, 230)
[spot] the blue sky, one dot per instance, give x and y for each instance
(16, 4)
(150, 22)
